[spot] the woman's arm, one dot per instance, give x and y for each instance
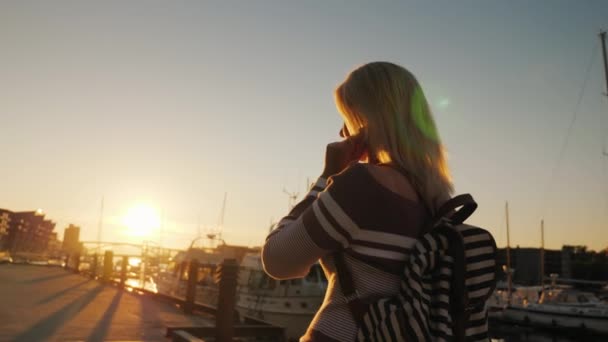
(299, 208)
(318, 224)
(289, 252)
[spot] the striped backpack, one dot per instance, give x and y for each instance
(447, 280)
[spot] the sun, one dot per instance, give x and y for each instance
(141, 220)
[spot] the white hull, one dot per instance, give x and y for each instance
(556, 320)
(290, 304)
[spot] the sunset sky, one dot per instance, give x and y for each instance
(172, 104)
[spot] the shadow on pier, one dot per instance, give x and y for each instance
(97, 304)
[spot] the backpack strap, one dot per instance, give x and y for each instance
(459, 297)
(448, 211)
(355, 304)
(460, 310)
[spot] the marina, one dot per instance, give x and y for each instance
(352, 138)
(551, 312)
(533, 313)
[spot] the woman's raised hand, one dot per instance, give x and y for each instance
(340, 154)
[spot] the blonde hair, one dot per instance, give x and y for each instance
(387, 103)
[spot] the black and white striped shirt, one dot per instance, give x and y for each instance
(351, 212)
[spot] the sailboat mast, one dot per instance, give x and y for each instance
(161, 228)
(509, 275)
(542, 254)
(603, 40)
(100, 227)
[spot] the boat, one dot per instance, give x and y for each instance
(563, 308)
(555, 306)
(603, 295)
(520, 295)
(290, 304)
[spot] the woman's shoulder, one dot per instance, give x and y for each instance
(354, 171)
(353, 177)
(363, 177)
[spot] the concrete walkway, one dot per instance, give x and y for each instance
(40, 303)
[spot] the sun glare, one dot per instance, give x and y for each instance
(134, 262)
(141, 220)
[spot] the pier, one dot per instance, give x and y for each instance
(51, 303)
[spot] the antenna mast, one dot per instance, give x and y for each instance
(221, 220)
(292, 197)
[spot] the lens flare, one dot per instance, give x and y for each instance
(443, 103)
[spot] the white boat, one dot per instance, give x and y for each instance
(604, 294)
(557, 307)
(520, 295)
(287, 303)
(562, 308)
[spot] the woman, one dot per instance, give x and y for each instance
(379, 186)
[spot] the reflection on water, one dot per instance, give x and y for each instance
(500, 332)
(148, 284)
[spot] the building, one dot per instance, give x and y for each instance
(27, 231)
(587, 264)
(526, 264)
(567, 255)
(571, 262)
(71, 239)
(54, 247)
(5, 220)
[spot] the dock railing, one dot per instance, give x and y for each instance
(221, 290)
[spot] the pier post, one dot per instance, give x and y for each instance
(94, 267)
(182, 269)
(226, 276)
(191, 287)
(76, 262)
(123, 270)
(108, 265)
(177, 269)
